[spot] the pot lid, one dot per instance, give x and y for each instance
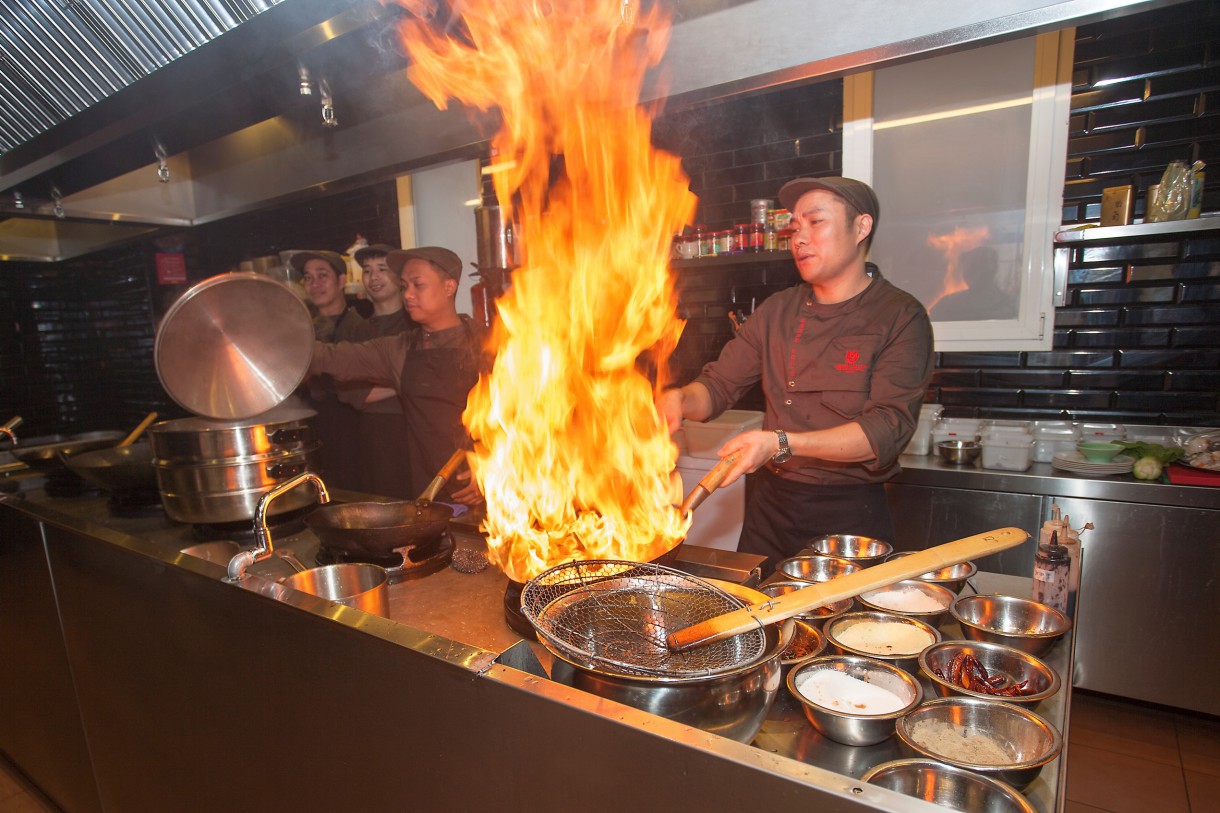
(234, 346)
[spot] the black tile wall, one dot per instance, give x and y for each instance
(1137, 342)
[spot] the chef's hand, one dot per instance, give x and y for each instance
(468, 493)
(756, 447)
(669, 407)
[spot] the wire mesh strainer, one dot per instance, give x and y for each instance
(614, 615)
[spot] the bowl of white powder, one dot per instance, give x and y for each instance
(912, 598)
(999, 740)
(851, 699)
(894, 639)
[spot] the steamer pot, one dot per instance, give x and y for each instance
(215, 471)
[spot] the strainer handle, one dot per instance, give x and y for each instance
(849, 586)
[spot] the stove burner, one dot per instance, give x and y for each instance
(67, 484)
(242, 531)
(136, 504)
(420, 561)
(512, 611)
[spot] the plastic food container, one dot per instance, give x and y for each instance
(1052, 439)
(704, 439)
(956, 429)
(1102, 431)
(1008, 452)
(1007, 427)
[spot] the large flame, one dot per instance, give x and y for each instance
(954, 245)
(570, 453)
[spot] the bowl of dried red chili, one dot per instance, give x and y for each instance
(988, 671)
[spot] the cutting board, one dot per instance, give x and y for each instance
(1189, 476)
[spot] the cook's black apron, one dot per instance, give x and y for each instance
(435, 383)
(782, 515)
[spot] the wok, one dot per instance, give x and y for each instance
(120, 468)
(42, 454)
(377, 528)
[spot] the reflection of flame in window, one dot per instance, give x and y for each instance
(953, 246)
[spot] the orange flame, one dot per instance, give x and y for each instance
(570, 453)
(954, 246)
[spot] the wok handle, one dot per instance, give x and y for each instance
(849, 586)
(710, 482)
(10, 426)
(135, 433)
(447, 471)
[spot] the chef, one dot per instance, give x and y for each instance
(844, 359)
(323, 275)
(381, 432)
(431, 367)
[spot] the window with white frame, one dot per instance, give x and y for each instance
(967, 154)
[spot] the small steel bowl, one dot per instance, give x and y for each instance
(943, 596)
(906, 661)
(814, 568)
(959, 452)
(863, 550)
(852, 728)
(1030, 742)
(953, 577)
(1043, 681)
(818, 616)
(1017, 622)
(807, 642)
(948, 786)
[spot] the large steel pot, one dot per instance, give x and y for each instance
(216, 471)
(733, 704)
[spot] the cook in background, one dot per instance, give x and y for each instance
(431, 367)
(384, 450)
(844, 359)
(323, 274)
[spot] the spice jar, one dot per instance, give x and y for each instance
(741, 237)
(704, 239)
(724, 242)
(756, 238)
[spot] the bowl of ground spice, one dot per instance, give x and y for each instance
(912, 598)
(853, 700)
(999, 740)
(894, 639)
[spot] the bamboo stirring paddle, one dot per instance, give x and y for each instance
(135, 433)
(849, 586)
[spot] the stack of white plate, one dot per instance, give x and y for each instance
(1076, 462)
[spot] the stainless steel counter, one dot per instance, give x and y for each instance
(1045, 480)
(455, 690)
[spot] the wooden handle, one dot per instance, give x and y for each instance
(710, 482)
(849, 586)
(135, 433)
(447, 471)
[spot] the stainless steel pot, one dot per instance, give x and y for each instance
(216, 471)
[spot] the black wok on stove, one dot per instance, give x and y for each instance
(376, 529)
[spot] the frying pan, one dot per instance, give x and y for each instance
(120, 468)
(376, 529)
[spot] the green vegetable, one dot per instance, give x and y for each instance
(1161, 454)
(1147, 468)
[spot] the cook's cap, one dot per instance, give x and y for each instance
(445, 260)
(376, 248)
(857, 193)
(335, 261)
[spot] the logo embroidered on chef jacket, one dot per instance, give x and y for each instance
(851, 363)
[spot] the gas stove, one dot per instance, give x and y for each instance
(419, 561)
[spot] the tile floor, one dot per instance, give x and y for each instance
(1122, 758)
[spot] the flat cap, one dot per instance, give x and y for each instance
(445, 260)
(857, 193)
(334, 260)
(376, 248)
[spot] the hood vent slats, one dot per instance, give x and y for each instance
(59, 57)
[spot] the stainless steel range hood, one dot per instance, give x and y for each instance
(225, 128)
